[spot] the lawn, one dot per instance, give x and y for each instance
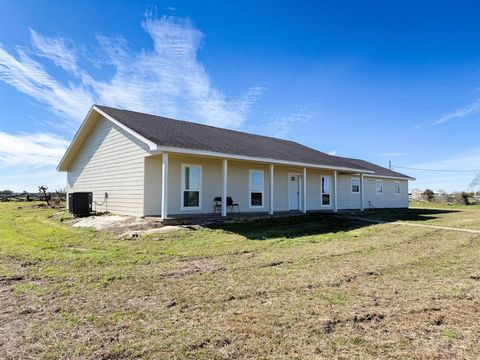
(457, 216)
(306, 287)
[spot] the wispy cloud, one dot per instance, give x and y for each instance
(392, 154)
(69, 102)
(59, 50)
(167, 80)
(34, 150)
(460, 113)
(333, 152)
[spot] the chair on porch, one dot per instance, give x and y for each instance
(218, 204)
(230, 204)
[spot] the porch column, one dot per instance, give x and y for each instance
(304, 208)
(271, 189)
(224, 187)
(335, 204)
(164, 185)
(362, 196)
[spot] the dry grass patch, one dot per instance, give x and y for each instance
(309, 287)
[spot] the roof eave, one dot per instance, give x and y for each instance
(161, 149)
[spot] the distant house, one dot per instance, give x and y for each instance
(152, 165)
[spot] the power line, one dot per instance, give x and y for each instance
(436, 170)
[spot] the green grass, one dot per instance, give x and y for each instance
(302, 287)
(458, 216)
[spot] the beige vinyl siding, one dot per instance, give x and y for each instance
(212, 182)
(387, 199)
(112, 161)
(237, 185)
(153, 185)
(347, 199)
(314, 189)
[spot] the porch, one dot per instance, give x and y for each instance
(209, 219)
(180, 187)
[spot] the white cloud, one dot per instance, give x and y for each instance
(392, 154)
(34, 150)
(333, 152)
(167, 80)
(59, 50)
(69, 102)
(460, 113)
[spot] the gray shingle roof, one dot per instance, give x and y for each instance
(183, 134)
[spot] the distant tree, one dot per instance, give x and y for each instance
(475, 184)
(464, 196)
(429, 194)
(6, 192)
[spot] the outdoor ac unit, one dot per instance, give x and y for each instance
(80, 203)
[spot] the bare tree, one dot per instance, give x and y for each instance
(44, 189)
(475, 183)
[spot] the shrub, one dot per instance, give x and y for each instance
(429, 194)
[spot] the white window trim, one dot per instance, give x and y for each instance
(351, 185)
(250, 206)
(399, 188)
(322, 193)
(376, 188)
(182, 188)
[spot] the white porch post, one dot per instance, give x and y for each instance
(224, 187)
(271, 189)
(164, 185)
(304, 208)
(362, 196)
(335, 204)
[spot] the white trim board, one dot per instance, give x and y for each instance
(390, 177)
(151, 145)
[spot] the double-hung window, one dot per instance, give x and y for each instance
(256, 188)
(191, 187)
(326, 190)
(355, 185)
(397, 187)
(379, 186)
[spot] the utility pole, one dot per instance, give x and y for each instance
(390, 165)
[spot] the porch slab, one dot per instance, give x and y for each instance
(209, 219)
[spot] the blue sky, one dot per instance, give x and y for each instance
(375, 80)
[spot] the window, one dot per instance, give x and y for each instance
(379, 186)
(396, 187)
(326, 190)
(191, 187)
(256, 188)
(355, 185)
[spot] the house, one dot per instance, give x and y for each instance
(139, 164)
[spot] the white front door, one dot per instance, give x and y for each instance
(294, 191)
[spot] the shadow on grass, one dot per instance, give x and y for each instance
(404, 214)
(322, 223)
(292, 227)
